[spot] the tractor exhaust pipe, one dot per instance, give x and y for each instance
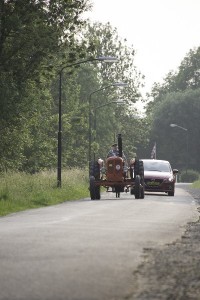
(120, 144)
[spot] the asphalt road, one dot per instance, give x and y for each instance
(86, 250)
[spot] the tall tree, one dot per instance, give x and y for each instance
(163, 109)
(32, 34)
(183, 109)
(186, 77)
(103, 40)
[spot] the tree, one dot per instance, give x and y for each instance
(37, 39)
(32, 34)
(183, 109)
(186, 77)
(103, 40)
(174, 102)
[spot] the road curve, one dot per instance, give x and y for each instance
(86, 250)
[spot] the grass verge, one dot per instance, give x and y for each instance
(196, 184)
(20, 191)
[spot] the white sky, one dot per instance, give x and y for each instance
(161, 31)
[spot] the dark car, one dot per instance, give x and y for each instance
(159, 176)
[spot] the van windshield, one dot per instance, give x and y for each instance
(157, 166)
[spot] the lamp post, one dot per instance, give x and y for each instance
(59, 166)
(187, 141)
(120, 101)
(118, 84)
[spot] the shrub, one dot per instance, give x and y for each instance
(189, 176)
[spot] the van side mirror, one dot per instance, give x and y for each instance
(175, 171)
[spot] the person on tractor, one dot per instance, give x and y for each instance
(114, 151)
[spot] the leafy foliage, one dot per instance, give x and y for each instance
(187, 77)
(176, 101)
(179, 146)
(111, 118)
(189, 176)
(37, 40)
(32, 34)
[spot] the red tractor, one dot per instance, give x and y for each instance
(117, 176)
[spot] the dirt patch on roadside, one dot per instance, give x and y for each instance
(173, 272)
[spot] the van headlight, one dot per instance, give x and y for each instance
(170, 179)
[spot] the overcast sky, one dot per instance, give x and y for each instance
(161, 31)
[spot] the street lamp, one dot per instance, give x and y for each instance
(101, 58)
(187, 142)
(175, 125)
(119, 102)
(117, 84)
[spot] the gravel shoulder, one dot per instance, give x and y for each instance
(173, 272)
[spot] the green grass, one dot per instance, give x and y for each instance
(20, 191)
(196, 184)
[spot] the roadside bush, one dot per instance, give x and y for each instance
(189, 176)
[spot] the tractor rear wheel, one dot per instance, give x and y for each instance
(132, 191)
(97, 193)
(142, 187)
(137, 187)
(142, 193)
(94, 190)
(94, 169)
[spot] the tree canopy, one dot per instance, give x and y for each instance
(37, 38)
(177, 102)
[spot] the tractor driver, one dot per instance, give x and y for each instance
(114, 151)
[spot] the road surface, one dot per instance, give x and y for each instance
(86, 250)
